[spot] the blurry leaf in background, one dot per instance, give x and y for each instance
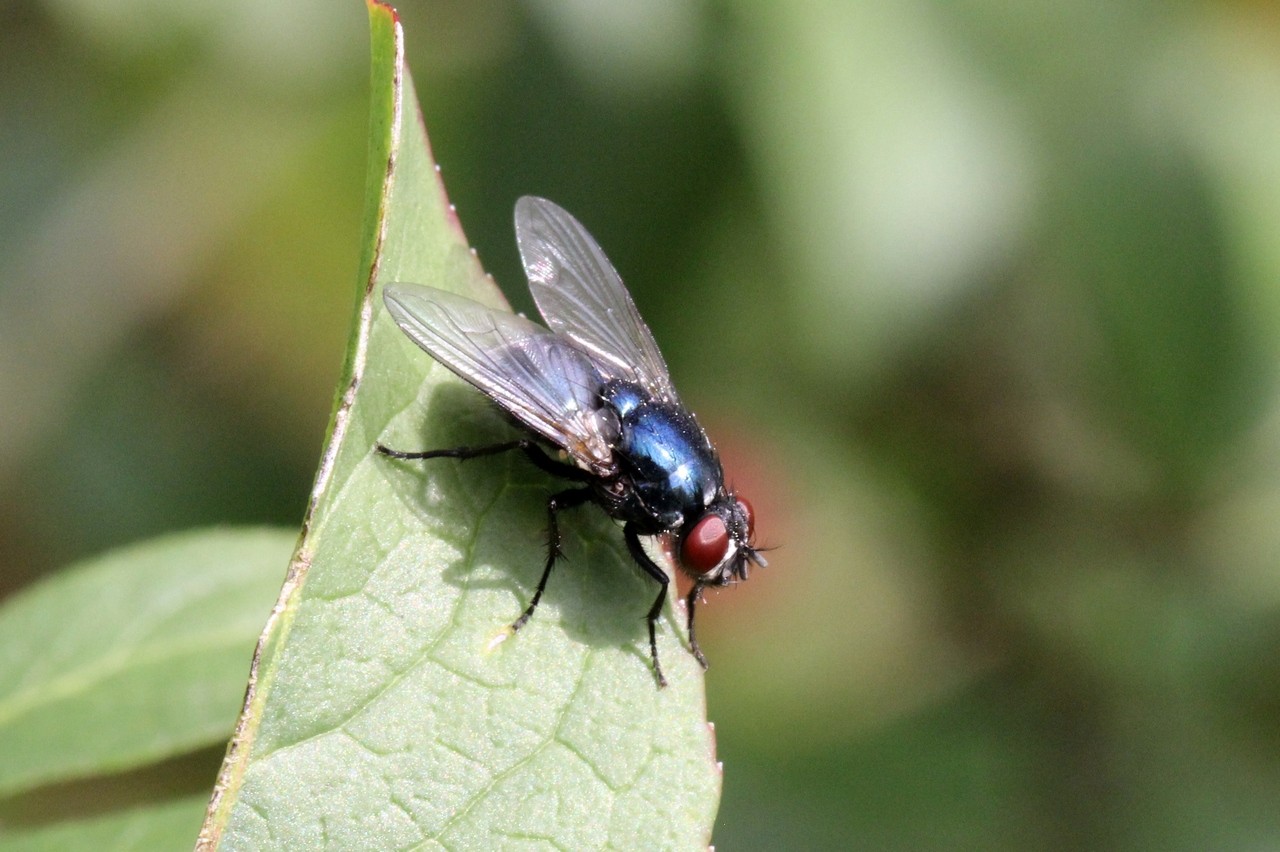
(134, 656)
(123, 662)
(167, 824)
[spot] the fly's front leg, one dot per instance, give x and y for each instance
(566, 499)
(639, 555)
(691, 602)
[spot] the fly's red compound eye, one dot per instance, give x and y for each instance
(705, 545)
(749, 514)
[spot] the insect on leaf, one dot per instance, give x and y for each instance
(384, 711)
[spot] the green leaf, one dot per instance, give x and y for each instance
(133, 656)
(164, 825)
(381, 714)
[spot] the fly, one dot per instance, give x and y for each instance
(592, 385)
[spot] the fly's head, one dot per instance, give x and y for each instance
(716, 548)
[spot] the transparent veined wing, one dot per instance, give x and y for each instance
(581, 296)
(542, 379)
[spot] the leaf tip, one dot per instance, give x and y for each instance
(385, 8)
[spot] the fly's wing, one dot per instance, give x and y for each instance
(581, 296)
(537, 376)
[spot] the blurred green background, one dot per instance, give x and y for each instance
(980, 300)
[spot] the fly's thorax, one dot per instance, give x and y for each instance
(623, 397)
(664, 455)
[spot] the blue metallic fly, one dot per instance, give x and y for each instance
(594, 387)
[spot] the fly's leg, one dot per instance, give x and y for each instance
(642, 558)
(566, 499)
(530, 448)
(692, 601)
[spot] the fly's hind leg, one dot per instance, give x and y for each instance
(528, 446)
